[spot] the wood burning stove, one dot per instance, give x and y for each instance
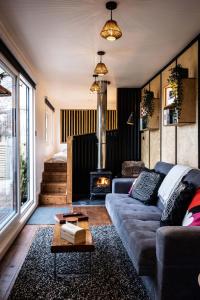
(100, 180)
(100, 183)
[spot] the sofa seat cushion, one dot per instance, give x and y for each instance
(140, 236)
(136, 224)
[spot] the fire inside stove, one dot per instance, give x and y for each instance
(100, 183)
(103, 182)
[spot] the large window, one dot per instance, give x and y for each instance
(16, 144)
(8, 153)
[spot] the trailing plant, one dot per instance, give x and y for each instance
(176, 84)
(23, 179)
(148, 103)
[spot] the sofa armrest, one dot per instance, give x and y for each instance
(178, 245)
(178, 262)
(122, 185)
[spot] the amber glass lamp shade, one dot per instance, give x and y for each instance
(101, 69)
(111, 31)
(95, 88)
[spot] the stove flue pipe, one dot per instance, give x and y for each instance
(101, 124)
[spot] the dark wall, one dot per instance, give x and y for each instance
(122, 144)
(128, 100)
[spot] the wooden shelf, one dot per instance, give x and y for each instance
(188, 109)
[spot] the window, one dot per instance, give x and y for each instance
(16, 144)
(8, 149)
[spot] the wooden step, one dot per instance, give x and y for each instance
(55, 166)
(52, 199)
(53, 187)
(54, 177)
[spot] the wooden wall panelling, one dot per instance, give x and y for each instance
(145, 142)
(77, 122)
(168, 132)
(187, 136)
(154, 138)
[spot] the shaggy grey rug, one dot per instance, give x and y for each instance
(113, 275)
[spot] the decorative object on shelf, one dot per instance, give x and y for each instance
(95, 88)
(3, 91)
(187, 112)
(101, 68)
(176, 87)
(143, 122)
(111, 31)
(170, 114)
(148, 103)
(130, 120)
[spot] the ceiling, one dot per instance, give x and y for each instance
(61, 38)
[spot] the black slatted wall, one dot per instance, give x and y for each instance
(122, 144)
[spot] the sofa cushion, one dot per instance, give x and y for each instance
(163, 167)
(192, 217)
(177, 205)
(136, 224)
(146, 187)
(139, 237)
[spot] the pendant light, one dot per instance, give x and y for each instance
(95, 88)
(111, 31)
(101, 68)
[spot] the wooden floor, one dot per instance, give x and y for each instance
(13, 260)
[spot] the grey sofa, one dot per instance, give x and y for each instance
(167, 258)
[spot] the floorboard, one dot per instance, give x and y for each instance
(13, 260)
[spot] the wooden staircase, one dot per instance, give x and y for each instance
(54, 183)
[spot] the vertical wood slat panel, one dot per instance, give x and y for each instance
(78, 122)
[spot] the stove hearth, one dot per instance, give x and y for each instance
(100, 183)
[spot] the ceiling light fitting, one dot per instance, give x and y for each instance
(111, 31)
(101, 68)
(95, 88)
(131, 119)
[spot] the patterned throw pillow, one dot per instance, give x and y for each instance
(177, 204)
(146, 187)
(192, 217)
(132, 187)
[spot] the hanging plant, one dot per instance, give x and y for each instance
(148, 103)
(176, 84)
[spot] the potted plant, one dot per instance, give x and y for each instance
(175, 82)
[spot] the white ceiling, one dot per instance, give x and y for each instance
(61, 38)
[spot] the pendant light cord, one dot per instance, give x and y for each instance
(111, 15)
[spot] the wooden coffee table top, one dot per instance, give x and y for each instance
(60, 245)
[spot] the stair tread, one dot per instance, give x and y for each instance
(54, 183)
(54, 173)
(53, 194)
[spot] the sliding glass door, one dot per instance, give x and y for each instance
(8, 145)
(26, 142)
(16, 144)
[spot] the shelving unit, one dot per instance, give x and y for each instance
(188, 108)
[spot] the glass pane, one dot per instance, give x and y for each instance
(24, 143)
(7, 147)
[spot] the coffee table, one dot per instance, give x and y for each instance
(59, 245)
